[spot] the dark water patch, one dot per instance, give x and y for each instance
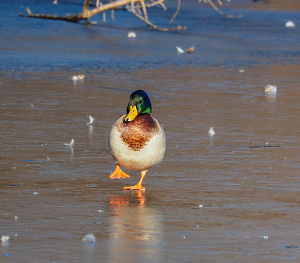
(8, 255)
(259, 37)
(290, 247)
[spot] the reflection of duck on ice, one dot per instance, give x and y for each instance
(134, 225)
(137, 141)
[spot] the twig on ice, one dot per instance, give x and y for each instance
(156, 27)
(144, 9)
(178, 7)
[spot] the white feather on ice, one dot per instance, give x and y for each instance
(71, 144)
(5, 238)
(131, 34)
(91, 120)
(290, 24)
(89, 238)
(211, 131)
(180, 50)
(271, 89)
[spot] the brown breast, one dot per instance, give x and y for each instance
(137, 133)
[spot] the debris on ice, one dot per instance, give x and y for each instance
(131, 34)
(91, 120)
(271, 89)
(180, 50)
(211, 131)
(5, 238)
(89, 238)
(79, 77)
(290, 24)
(190, 50)
(71, 144)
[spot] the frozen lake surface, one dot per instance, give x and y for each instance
(213, 198)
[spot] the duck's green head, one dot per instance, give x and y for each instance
(139, 103)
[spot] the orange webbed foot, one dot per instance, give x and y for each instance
(139, 185)
(118, 173)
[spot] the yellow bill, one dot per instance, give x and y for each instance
(133, 112)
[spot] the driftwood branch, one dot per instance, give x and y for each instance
(86, 13)
(138, 5)
(135, 5)
(74, 18)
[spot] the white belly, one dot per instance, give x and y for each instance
(150, 155)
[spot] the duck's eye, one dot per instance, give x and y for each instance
(141, 101)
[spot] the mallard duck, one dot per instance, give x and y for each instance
(137, 141)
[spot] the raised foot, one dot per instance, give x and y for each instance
(134, 188)
(118, 173)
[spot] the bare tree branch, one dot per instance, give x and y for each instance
(86, 6)
(75, 18)
(135, 5)
(113, 14)
(178, 7)
(220, 2)
(159, 2)
(138, 8)
(144, 9)
(156, 27)
(218, 10)
(214, 6)
(109, 6)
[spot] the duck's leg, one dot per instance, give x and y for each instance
(139, 185)
(118, 173)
